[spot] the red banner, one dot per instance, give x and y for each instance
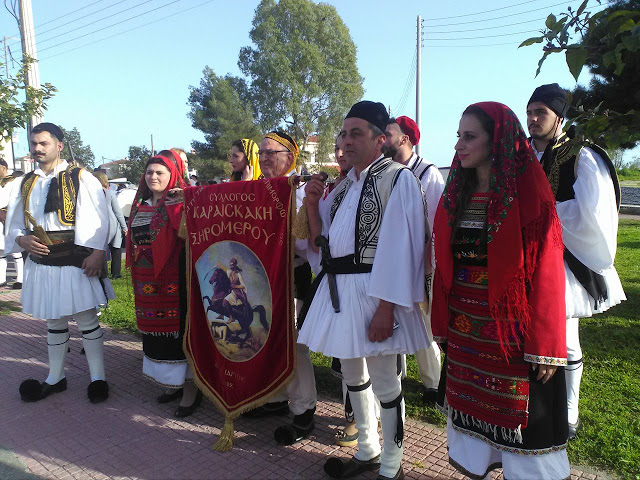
(240, 329)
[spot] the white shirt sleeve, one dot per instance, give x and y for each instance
(433, 186)
(92, 214)
(590, 221)
(398, 267)
(14, 224)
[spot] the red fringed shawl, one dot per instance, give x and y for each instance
(524, 249)
(165, 222)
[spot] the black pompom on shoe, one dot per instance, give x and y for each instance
(32, 390)
(98, 391)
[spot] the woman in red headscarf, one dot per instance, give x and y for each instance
(498, 304)
(156, 257)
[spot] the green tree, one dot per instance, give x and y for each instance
(80, 151)
(302, 68)
(137, 159)
(19, 103)
(608, 43)
(220, 109)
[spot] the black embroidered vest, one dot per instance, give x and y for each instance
(376, 190)
(61, 197)
(561, 167)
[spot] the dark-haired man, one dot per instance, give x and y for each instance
(277, 156)
(402, 135)
(60, 217)
(376, 230)
(587, 195)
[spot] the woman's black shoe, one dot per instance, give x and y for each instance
(170, 397)
(182, 412)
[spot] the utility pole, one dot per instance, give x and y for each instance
(152, 152)
(419, 77)
(6, 64)
(29, 50)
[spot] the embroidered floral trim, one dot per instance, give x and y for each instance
(561, 362)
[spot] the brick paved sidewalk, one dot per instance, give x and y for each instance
(131, 436)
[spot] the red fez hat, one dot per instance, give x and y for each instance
(410, 128)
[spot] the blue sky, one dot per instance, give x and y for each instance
(127, 85)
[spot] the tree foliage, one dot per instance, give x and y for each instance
(220, 109)
(18, 103)
(81, 151)
(137, 159)
(608, 43)
(302, 68)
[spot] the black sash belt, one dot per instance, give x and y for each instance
(63, 252)
(591, 281)
(339, 266)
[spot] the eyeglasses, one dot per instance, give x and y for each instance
(270, 153)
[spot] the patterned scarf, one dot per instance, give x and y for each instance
(523, 238)
(250, 149)
(166, 219)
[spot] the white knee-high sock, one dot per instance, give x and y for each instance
(19, 261)
(93, 343)
(573, 377)
(391, 457)
(362, 403)
(3, 269)
(57, 346)
(573, 371)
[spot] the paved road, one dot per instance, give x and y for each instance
(130, 436)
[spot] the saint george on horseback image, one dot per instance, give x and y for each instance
(229, 299)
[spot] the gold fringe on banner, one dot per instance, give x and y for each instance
(225, 440)
(300, 228)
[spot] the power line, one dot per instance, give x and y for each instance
(474, 46)
(407, 91)
(88, 15)
(484, 36)
(488, 28)
(498, 35)
(407, 82)
(486, 11)
(503, 16)
(127, 31)
(70, 13)
(91, 23)
(112, 25)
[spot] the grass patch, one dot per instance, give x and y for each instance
(120, 314)
(629, 174)
(610, 393)
(8, 306)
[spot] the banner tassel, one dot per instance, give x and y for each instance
(300, 228)
(182, 230)
(225, 440)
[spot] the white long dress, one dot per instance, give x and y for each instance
(397, 277)
(52, 292)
